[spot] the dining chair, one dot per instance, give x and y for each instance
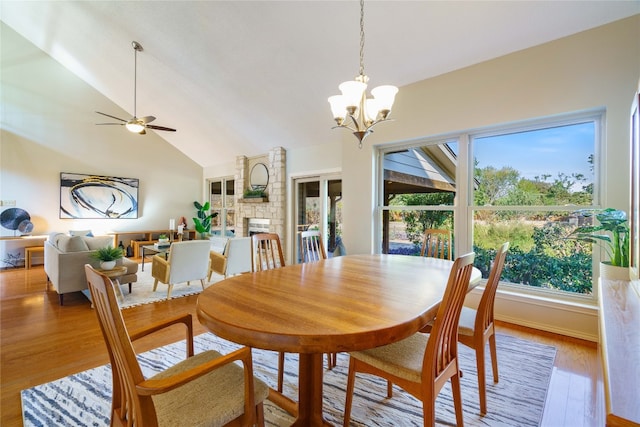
(437, 244)
(312, 249)
(311, 246)
(476, 326)
(266, 251)
(423, 363)
(178, 395)
(266, 254)
(187, 261)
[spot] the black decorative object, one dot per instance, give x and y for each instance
(16, 219)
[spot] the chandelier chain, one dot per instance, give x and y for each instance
(362, 37)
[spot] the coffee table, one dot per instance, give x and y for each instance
(152, 250)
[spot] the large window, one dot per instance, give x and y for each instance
(523, 184)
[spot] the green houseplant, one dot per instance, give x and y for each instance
(203, 221)
(107, 256)
(253, 194)
(615, 240)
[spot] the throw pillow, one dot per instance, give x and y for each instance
(71, 243)
(80, 233)
(98, 242)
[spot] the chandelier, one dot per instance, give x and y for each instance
(353, 110)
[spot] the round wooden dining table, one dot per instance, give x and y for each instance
(347, 303)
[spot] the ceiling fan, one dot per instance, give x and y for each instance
(136, 124)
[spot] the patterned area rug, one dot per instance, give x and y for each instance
(142, 290)
(516, 400)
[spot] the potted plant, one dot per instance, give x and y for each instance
(163, 238)
(203, 221)
(251, 193)
(615, 240)
(107, 256)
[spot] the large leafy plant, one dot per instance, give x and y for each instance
(616, 238)
(203, 221)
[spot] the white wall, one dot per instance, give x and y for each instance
(596, 68)
(48, 126)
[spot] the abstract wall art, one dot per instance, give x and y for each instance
(94, 196)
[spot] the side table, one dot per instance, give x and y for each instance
(115, 274)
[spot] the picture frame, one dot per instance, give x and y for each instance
(84, 196)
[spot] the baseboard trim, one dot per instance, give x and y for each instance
(577, 320)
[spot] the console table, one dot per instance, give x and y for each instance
(620, 351)
(13, 250)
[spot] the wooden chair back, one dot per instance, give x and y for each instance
(126, 372)
(311, 246)
(442, 347)
(266, 251)
(437, 244)
(484, 315)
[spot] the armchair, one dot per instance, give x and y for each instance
(235, 259)
(187, 261)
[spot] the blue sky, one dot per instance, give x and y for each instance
(563, 149)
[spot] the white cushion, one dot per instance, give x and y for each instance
(98, 242)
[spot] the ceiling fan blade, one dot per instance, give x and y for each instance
(113, 117)
(160, 128)
(117, 124)
(146, 119)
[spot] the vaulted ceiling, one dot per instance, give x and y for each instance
(240, 77)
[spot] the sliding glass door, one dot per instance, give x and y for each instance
(318, 206)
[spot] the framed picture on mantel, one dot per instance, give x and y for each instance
(98, 197)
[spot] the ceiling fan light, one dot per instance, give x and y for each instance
(134, 127)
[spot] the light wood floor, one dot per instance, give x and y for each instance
(41, 341)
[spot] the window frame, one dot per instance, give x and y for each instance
(464, 208)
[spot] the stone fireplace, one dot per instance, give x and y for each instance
(271, 209)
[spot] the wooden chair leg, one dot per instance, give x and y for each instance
(481, 379)
(280, 371)
(351, 379)
(260, 415)
(457, 400)
(494, 357)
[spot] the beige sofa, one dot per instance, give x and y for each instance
(65, 257)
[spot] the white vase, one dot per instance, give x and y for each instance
(107, 265)
(611, 272)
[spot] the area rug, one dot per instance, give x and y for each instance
(517, 399)
(142, 290)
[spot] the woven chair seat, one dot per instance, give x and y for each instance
(215, 398)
